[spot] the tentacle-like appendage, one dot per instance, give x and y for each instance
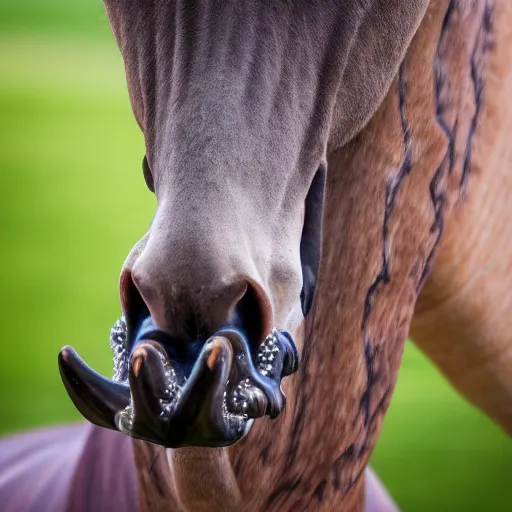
(166, 393)
(96, 397)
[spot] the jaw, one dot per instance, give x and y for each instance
(208, 397)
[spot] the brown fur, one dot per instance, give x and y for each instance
(239, 105)
(462, 317)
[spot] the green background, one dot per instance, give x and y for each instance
(73, 202)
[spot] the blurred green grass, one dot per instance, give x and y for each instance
(73, 202)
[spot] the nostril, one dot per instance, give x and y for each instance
(191, 313)
(133, 305)
(252, 315)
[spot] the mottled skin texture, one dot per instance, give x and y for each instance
(240, 104)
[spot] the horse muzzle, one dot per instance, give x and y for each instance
(176, 394)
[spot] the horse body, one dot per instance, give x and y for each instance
(406, 108)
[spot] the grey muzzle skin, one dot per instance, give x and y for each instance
(175, 394)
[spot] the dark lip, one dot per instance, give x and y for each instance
(183, 354)
(175, 394)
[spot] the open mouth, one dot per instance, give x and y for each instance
(204, 393)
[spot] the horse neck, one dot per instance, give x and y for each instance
(389, 192)
(185, 479)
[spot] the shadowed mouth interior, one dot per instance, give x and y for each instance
(178, 360)
(202, 393)
(311, 238)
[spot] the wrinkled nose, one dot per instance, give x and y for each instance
(188, 303)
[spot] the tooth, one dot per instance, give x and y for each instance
(97, 398)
